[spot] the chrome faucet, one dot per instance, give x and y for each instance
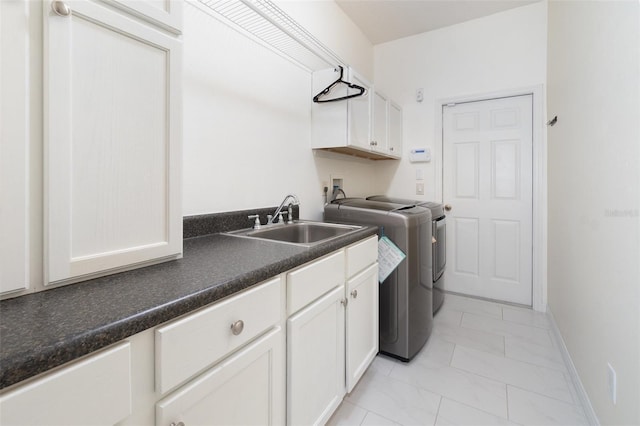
(278, 212)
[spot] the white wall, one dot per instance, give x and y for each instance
(594, 196)
(247, 126)
(502, 51)
(326, 21)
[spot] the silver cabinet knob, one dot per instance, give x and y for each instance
(176, 424)
(448, 207)
(344, 302)
(237, 327)
(60, 8)
(354, 293)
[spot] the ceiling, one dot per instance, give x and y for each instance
(385, 20)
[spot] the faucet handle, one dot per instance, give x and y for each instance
(280, 218)
(256, 224)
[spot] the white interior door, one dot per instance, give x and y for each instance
(487, 181)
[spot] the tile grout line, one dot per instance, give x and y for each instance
(435, 421)
(571, 404)
(504, 345)
(506, 394)
(516, 386)
(476, 408)
(366, 413)
(529, 362)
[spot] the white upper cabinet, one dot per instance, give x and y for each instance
(112, 142)
(379, 119)
(357, 126)
(359, 114)
(394, 142)
(166, 14)
(15, 208)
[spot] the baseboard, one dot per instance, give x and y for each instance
(573, 373)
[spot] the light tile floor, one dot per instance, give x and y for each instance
(485, 364)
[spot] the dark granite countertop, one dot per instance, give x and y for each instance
(44, 330)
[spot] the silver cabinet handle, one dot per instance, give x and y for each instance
(237, 327)
(448, 207)
(354, 293)
(433, 240)
(344, 302)
(60, 8)
(176, 424)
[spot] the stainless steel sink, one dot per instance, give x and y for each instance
(300, 232)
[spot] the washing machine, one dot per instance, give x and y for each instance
(439, 250)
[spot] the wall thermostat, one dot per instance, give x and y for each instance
(420, 155)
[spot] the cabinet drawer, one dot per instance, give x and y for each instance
(93, 391)
(361, 255)
(311, 281)
(188, 345)
(248, 388)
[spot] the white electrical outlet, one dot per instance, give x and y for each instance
(611, 374)
(419, 188)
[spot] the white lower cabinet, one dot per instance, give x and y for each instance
(231, 355)
(315, 360)
(191, 344)
(334, 338)
(93, 391)
(245, 389)
(361, 323)
(227, 363)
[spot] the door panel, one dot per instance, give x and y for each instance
(487, 179)
(505, 173)
(467, 239)
(506, 249)
(466, 167)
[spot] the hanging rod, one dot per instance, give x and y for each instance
(269, 24)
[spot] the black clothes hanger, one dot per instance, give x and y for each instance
(361, 89)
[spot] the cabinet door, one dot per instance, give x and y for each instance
(362, 323)
(359, 121)
(379, 123)
(112, 142)
(315, 360)
(15, 210)
(395, 130)
(245, 389)
(164, 13)
(93, 391)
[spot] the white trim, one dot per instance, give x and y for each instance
(539, 171)
(589, 412)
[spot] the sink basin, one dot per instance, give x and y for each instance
(299, 233)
